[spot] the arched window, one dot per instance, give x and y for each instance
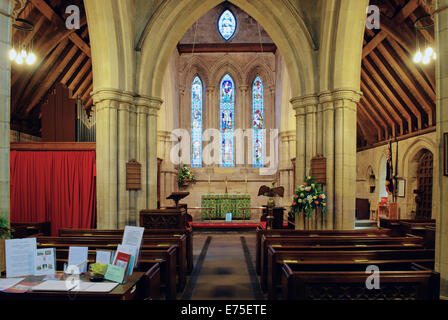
(257, 123)
(227, 110)
(227, 25)
(196, 123)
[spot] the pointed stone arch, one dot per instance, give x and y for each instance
(173, 18)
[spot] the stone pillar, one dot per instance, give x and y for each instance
(441, 37)
(345, 102)
(153, 108)
(183, 106)
(311, 132)
(242, 114)
(142, 109)
(210, 110)
(6, 6)
(112, 153)
(300, 139)
(133, 213)
(327, 107)
(106, 158)
(123, 158)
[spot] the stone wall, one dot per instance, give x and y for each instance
(409, 152)
(206, 31)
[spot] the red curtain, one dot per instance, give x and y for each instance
(55, 186)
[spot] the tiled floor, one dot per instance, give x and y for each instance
(221, 269)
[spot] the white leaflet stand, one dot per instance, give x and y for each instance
(20, 257)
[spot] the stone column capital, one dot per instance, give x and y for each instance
(243, 88)
(181, 90)
(304, 104)
(340, 94)
(116, 95)
(147, 104)
(210, 89)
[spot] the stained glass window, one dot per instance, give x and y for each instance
(196, 123)
(227, 25)
(227, 110)
(258, 122)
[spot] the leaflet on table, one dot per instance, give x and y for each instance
(115, 273)
(20, 257)
(95, 286)
(133, 237)
(131, 250)
(78, 258)
(55, 285)
(45, 261)
(104, 257)
(9, 282)
(125, 254)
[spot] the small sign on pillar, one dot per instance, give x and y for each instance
(133, 175)
(319, 169)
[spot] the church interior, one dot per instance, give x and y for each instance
(259, 150)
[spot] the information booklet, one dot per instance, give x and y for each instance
(133, 237)
(45, 261)
(131, 250)
(54, 285)
(20, 257)
(122, 260)
(78, 258)
(115, 273)
(104, 257)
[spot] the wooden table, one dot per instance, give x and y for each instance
(128, 291)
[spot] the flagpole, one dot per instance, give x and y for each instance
(396, 171)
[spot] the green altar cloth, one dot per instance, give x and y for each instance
(225, 203)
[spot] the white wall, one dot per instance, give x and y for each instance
(409, 151)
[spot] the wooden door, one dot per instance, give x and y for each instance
(424, 186)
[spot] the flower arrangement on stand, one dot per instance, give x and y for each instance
(185, 177)
(308, 199)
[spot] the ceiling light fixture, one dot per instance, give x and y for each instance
(429, 52)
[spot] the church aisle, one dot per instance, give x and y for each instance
(222, 271)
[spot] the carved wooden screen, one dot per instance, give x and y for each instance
(424, 186)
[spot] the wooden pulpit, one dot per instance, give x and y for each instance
(163, 218)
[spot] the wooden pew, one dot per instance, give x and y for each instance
(278, 232)
(347, 281)
(335, 240)
(149, 255)
(150, 290)
(276, 258)
(188, 232)
(159, 241)
(25, 230)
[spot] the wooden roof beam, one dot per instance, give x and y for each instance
(394, 85)
(51, 79)
(409, 81)
(51, 15)
(367, 124)
(85, 68)
(387, 112)
(398, 19)
(86, 94)
(39, 76)
(83, 85)
(372, 102)
(373, 113)
(388, 92)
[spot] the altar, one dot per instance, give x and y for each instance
(220, 204)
